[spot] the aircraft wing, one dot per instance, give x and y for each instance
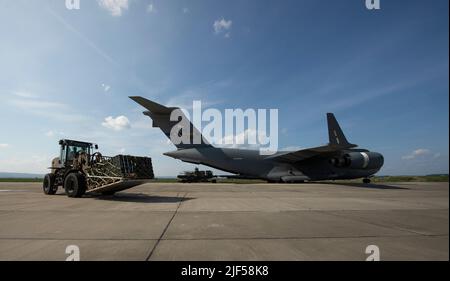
(337, 142)
(299, 155)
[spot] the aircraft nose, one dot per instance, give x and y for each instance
(377, 159)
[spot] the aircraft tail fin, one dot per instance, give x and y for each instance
(337, 142)
(160, 115)
(335, 134)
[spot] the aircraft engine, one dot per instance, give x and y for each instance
(359, 160)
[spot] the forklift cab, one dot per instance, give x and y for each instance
(70, 149)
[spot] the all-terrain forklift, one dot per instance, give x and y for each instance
(80, 169)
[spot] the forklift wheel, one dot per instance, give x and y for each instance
(75, 185)
(49, 184)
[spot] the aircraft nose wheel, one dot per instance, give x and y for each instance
(366, 180)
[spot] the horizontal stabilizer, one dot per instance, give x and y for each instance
(152, 106)
(160, 115)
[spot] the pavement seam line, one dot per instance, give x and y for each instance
(165, 228)
(379, 224)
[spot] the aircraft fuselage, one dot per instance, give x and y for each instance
(249, 163)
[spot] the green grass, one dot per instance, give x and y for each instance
(430, 178)
(21, 179)
(166, 180)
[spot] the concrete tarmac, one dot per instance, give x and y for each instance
(174, 221)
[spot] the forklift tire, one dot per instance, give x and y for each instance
(49, 184)
(75, 185)
(366, 180)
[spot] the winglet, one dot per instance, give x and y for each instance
(335, 134)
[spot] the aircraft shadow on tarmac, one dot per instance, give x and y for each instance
(364, 185)
(142, 198)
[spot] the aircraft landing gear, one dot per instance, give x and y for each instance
(366, 180)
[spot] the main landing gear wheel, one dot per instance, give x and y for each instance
(366, 180)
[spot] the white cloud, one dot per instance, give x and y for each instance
(222, 25)
(50, 134)
(53, 133)
(4, 145)
(106, 87)
(115, 7)
(31, 103)
(421, 161)
(417, 153)
(151, 8)
(185, 10)
(29, 163)
(245, 139)
(25, 94)
(119, 123)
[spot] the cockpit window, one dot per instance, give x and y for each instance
(73, 150)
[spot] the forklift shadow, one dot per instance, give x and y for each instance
(140, 198)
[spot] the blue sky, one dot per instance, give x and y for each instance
(383, 73)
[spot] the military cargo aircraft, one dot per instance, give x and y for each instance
(339, 159)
